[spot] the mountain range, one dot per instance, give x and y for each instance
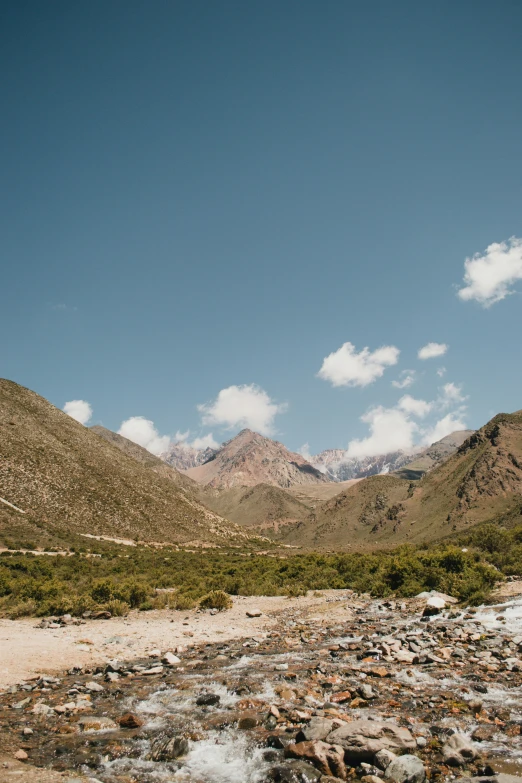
(240, 461)
(250, 459)
(60, 481)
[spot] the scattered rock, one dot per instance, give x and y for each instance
(362, 739)
(169, 748)
(130, 721)
(329, 759)
(458, 751)
(406, 769)
(170, 659)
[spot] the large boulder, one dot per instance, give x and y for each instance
(362, 739)
(458, 750)
(329, 759)
(316, 729)
(406, 769)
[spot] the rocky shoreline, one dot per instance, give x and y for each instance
(395, 692)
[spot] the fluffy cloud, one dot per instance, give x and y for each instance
(432, 350)
(441, 372)
(143, 432)
(346, 367)
(391, 429)
(79, 410)
(415, 407)
(242, 406)
(205, 442)
(406, 379)
(489, 277)
(396, 429)
(449, 423)
(451, 394)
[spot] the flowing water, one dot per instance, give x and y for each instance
(300, 669)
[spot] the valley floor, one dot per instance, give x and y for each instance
(28, 650)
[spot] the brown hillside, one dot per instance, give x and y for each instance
(250, 459)
(481, 482)
(142, 455)
(71, 480)
(263, 507)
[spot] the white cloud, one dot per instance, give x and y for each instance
(489, 278)
(441, 372)
(79, 410)
(242, 406)
(415, 407)
(391, 430)
(205, 442)
(395, 429)
(432, 350)
(406, 379)
(304, 451)
(450, 423)
(143, 432)
(451, 394)
(346, 367)
(181, 437)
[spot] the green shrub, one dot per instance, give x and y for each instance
(216, 599)
(183, 603)
(117, 608)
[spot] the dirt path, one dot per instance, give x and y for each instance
(27, 651)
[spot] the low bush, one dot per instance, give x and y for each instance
(467, 567)
(216, 599)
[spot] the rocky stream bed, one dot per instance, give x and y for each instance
(398, 692)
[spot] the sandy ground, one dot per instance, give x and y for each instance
(27, 651)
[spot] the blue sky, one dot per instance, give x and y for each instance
(209, 195)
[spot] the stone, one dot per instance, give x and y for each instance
(362, 739)
(329, 759)
(457, 751)
(20, 755)
(366, 692)
(96, 723)
(94, 687)
(294, 772)
(170, 659)
(169, 748)
(208, 700)
(434, 605)
(153, 670)
(42, 709)
(406, 769)
(21, 704)
(130, 721)
(384, 758)
(317, 729)
(248, 721)
(484, 733)
(254, 613)
(340, 697)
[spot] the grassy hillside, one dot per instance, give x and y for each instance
(264, 507)
(481, 482)
(142, 455)
(71, 481)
